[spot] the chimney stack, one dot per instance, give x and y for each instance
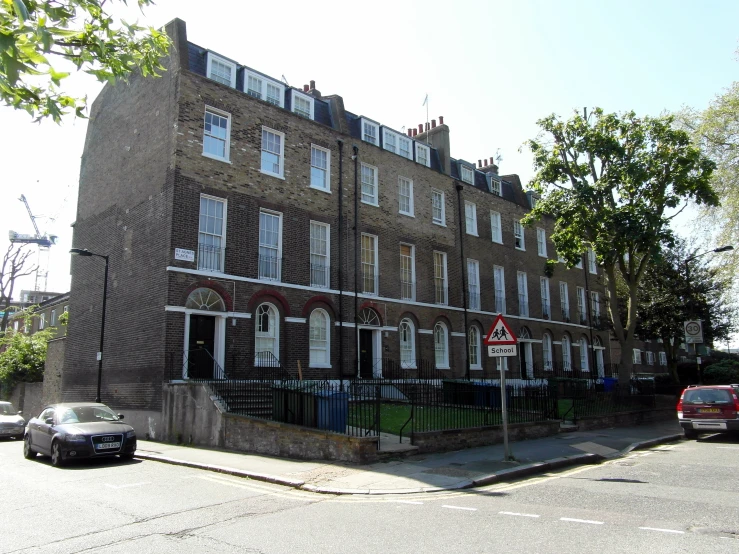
(437, 136)
(441, 120)
(312, 84)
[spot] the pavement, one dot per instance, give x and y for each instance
(461, 469)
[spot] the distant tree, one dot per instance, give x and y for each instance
(22, 356)
(716, 131)
(14, 265)
(35, 35)
(675, 289)
(609, 181)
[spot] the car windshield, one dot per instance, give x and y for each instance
(86, 414)
(707, 396)
(7, 409)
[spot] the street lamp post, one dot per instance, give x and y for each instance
(691, 303)
(87, 253)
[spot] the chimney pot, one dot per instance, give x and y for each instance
(415, 131)
(441, 120)
(305, 88)
(433, 124)
(479, 163)
(486, 162)
(312, 84)
(410, 132)
(420, 127)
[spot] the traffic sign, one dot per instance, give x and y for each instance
(504, 351)
(500, 333)
(693, 332)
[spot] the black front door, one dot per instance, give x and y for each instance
(200, 361)
(365, 354)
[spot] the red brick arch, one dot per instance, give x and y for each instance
(263, 295)
(213, 285)
(308, 308)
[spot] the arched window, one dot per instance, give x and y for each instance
(566, 353)
(546, 347)
(320, 353)
(267, 336)
(441, 346)
(368, 316)
(598, 349)
(474, 344)
(407, 344)
(584, 363)
(205, 299)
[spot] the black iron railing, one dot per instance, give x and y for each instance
(269, 268)
(407, 289)
(320, 276)
(210, 258)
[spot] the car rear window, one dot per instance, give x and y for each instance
(707, 396)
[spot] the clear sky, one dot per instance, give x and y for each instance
(490, 68)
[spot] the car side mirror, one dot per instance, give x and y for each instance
(49, 421)
(120, 416)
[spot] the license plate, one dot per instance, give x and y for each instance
(107, 445)
(709, 411)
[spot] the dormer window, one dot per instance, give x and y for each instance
(404, 148)
(467, 175)
(265, 89)
(370, 132)
(302, 104)
(396, 143)
(495, 187)
(423, 154)
(389, 141)
(221, 70)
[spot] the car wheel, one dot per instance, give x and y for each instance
(690, 434)
(28, 452)
(126, 457)
(56, 454)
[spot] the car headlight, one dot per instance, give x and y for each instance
(131, 435)
(76, 438)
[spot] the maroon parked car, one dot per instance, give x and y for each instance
(709, 409)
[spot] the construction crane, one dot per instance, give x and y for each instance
(44, 242)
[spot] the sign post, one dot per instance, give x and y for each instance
(501, 342)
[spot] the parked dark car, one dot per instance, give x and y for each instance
(11, 421)
(708, 409)
(78, 430)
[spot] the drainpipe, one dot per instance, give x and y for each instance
(357, 247)
(340, 143)
(460, 188)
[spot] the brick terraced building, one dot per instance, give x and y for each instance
(253, 226)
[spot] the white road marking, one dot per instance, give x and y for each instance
(590, 521)
(662, 530)
(408, 502)
(126, 486)
(728, 447)
(518, 514)
(458, 508)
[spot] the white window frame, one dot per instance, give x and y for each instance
(405, 141)
(373, 125)
(564, 300)
(375, 264)
(475, 350)
(441, 195)
(214, 57)
(473, 274)
(595, 304)
(546, 304)
(541, 242)
(375, 185)
(281, 173)
(327, 256)
(470, 218)
(440, 330)
(326, 348)
(263, 83)
(444, 279)
(411, 208)
(662, 358)
(499, 287)
(407, 363)
(279, 245)
(636, 356)
(566, 353)
(496, 227)
(465, 171)
(227, 146)
(547, 352)
(306, 97)
(581, 305)
(52, 318)
(584, 361)
(426, 150)
(41, 321)
(412, 258)
(523, 292)
(397, 139)
(221, 257)
(495, 186)
(592, 262)
(578, 265)
(326, 170)
(650, 357)
(519, 239)
(276, 335)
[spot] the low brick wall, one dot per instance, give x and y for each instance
(626, 419)
(455, 439)
(191, 416)
(27, 397)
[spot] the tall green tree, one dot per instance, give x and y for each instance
(716, 131)
(22, 356)
(679, 286)
(610, 182)
(37, 36)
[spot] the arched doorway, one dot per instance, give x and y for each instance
(369, 344)
(204, 334)
(525, 354)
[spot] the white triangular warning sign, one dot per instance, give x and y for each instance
(500, 333)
